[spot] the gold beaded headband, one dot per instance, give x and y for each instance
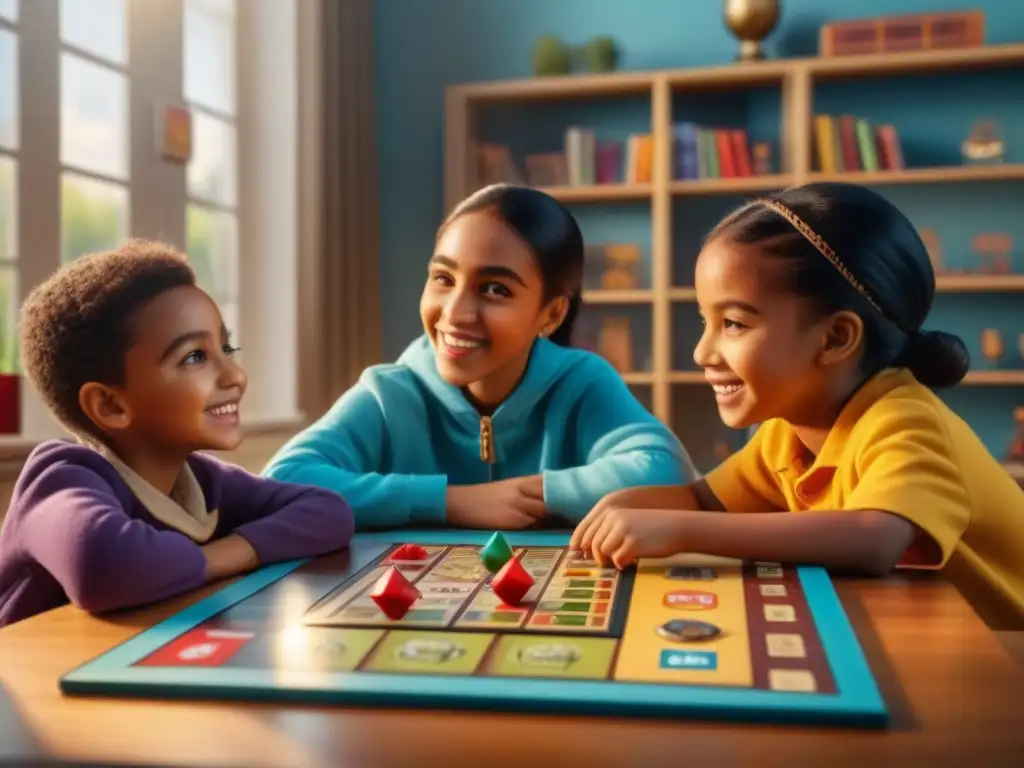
(818, 242)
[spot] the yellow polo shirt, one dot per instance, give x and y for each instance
(898, 448)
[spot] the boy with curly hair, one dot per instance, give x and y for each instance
(133, 358)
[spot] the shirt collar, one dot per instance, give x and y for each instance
(867, 395)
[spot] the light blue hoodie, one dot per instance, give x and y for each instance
(393, 443)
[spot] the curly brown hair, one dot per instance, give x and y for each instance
(76, 325)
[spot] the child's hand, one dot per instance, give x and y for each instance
(621, 535)
(511, 504)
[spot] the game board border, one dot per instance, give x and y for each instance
(857, 702)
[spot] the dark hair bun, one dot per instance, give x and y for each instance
(937, 359)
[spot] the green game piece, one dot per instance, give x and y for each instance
(495, 553)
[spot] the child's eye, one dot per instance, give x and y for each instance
(732, 325)
(194, 357)
(497, 288)
(441, 279)
(230, 350)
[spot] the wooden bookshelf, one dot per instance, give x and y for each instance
(795, 79)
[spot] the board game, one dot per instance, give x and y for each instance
(687, 636)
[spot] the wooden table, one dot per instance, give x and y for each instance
(955, 693)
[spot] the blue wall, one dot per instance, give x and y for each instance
(423, 45)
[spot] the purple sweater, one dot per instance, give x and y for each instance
(75, 532)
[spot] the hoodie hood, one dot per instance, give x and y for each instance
(547, 364)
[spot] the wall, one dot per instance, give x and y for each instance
(422, 45)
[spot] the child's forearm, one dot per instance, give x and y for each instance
(229, 556)
(866, 541)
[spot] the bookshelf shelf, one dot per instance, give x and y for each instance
(979, 283)
(949, 175)
(735, 186)
(995, 378)
(789, 84)
(601, 193)
(607, 296)
(639, 377)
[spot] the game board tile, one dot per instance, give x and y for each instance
(198, 648)
(443, 653)
(586, 658)
(321, 649)
(558, 606)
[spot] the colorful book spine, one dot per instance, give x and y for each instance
(847, 143)
(700, 152)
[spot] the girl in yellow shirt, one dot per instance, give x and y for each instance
(813, 302)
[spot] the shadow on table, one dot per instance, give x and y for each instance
(901, 715)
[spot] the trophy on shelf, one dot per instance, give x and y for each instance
(992, 348)
(993, 248)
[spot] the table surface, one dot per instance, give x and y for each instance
(952, 689)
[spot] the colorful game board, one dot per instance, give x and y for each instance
(686, 636)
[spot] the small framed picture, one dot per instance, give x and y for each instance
(173, 132)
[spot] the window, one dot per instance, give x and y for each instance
(81, 169)
(94, 126)
(9, 142)
(211, 224)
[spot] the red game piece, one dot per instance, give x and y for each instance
(410, 552)
(394, 594)
(511, 582)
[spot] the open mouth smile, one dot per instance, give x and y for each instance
(459, 345)
(227, 412)
(726, 391)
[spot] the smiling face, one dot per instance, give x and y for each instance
(761, 347)
(182, 387)
(483, 306)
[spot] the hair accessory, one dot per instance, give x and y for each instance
(824, 248)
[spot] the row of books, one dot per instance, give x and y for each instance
(842, 143)
(848, 143)
(717, 153)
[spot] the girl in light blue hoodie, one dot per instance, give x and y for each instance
(490, 419)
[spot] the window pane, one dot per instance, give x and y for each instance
(213, 250)
(93, 216)
(8, 207)
(8, 320)
(95, 26)
(209, 60)
(229, 312)
(221, 8)
(9, 9)
(211, 172)
(8, 89)
(94, 117)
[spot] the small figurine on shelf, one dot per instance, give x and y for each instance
(934, 247)
(615, 343)
(984, 145)
(762, 153)
(992, 348)
(620, 267)
(993, 248)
